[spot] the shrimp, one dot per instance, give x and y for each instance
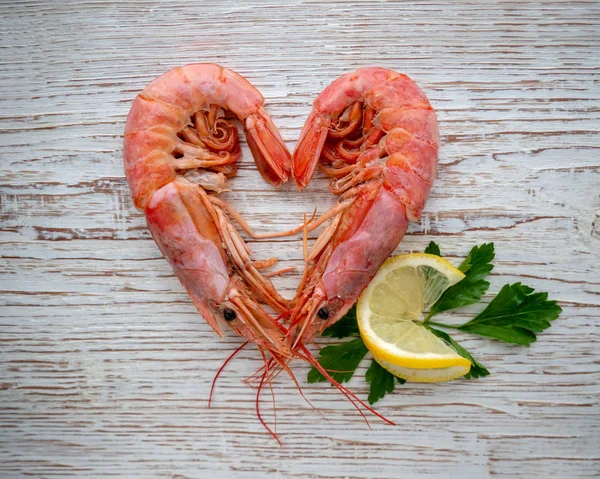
(376, 135)
(180, 148)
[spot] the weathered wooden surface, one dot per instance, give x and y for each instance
(105, 366)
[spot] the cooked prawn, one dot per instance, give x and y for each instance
(180, 148)
(375, 134)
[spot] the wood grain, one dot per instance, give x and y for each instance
(105, 366)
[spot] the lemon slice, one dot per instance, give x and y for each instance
(432, 375)
(389, 312)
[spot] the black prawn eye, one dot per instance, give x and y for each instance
(323, 313)
(229, 314)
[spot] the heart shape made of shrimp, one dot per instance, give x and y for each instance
(372, 131)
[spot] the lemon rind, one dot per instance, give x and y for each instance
(432, 375)
(401, 358)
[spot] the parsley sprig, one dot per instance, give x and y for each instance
(339, 360)
(476, 266)
(516, 315)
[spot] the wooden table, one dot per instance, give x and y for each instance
(105, 365)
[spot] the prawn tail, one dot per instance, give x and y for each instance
(272, 158)
(309, 148)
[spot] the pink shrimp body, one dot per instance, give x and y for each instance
(179, 144)
(375, 133)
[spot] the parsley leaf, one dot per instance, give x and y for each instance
(381, 381)
(478, 370)
(339, 360)
(347, 326)
(514, 315)
(472, 287)
(433, 248)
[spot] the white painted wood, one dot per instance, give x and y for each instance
(105, 366)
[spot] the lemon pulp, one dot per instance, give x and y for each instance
(389, 313)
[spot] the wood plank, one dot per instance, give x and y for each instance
(105, 366)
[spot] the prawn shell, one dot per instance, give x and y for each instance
(175, 88)
(148, 176)
(246, 99)
(138, 146)
(196, 260)
(420, 122)
(417, 155)
(147, 113)
(400, 92)
(351, 87)
(406, 185)
(376, 234)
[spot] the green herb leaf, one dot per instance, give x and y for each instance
(472, 287)
(340, 361)
(478, 257)
(478, 370)
(347, 326)
(433, 248)
(515, 315)
(381, 380)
